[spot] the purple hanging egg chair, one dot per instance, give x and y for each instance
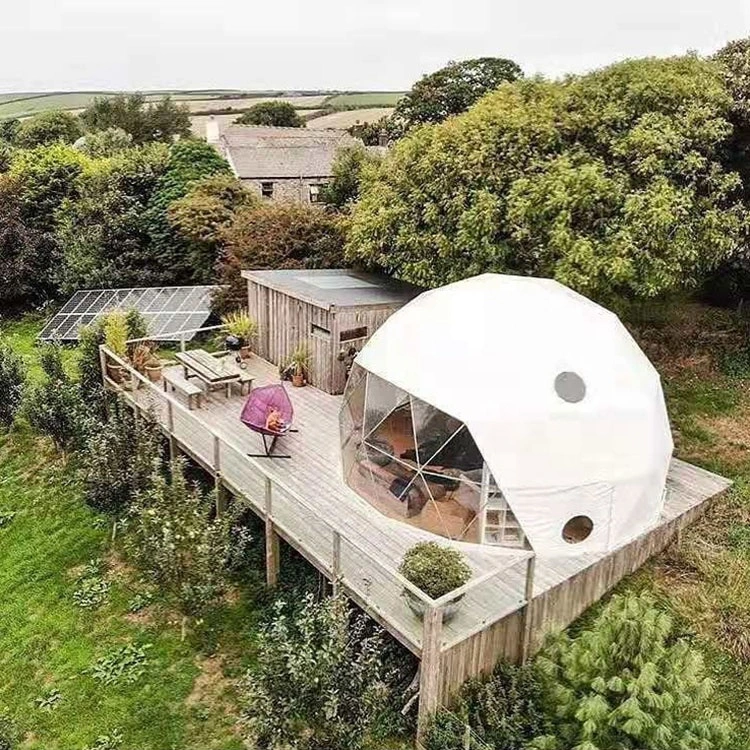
(260, 403)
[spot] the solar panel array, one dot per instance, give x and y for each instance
(167, 310)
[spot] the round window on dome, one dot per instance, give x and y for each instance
(569, 386)
(577, 529)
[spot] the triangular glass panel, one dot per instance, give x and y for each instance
(394, 434)
(382, 398)
(433, 429)
(459, 455)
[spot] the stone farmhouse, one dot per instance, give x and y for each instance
(280, 164)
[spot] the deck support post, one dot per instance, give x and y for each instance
(272, 541)
(173, 448)
(222, 496)
(528, 596)
(429, 670)
(336, 562)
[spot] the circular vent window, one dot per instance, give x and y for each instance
(569, 386)
(577, 529)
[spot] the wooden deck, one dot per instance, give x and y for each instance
(343, 536)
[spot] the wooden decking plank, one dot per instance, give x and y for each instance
(372, 543)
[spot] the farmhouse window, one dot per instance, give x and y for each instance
(316, 194)
(266, 189)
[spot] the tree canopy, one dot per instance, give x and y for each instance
(276, 235)
(348, 166)
(612, 183)
(145, 122)
(48, 127)
(102, 232)
(188, 162)
(203, 216)
(278, 114)
(454, 88)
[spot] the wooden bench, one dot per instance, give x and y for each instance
(174, 378)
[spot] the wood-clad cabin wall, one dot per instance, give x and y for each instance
(347, 320)
(553, 610)
(285, 322)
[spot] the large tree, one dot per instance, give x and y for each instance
(103, 232)
(279, 114)
(19, 268)
(203, 216)
(611, 182)
(145, 122)
(454, 88)
(189, 161)
(348, 166)
(38, 182)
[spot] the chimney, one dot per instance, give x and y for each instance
(383, 139)
(212, 131)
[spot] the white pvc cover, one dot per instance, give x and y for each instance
(487, 351)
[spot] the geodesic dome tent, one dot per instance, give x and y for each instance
(508, 410)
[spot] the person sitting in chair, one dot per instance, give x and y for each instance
(274, 422)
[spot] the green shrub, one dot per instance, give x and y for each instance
(89, 366)
(55, 407)
(175, 542)
(434, 568)
(8, 733)
(12, 380)
(119, 460)
(318, 684)
(116, 333)
(630, 681)
(504, 710)
(136, 324)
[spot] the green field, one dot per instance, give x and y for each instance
(30, 103)
(23, 105)
(365, 99)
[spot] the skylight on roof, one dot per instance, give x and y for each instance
(338, 281)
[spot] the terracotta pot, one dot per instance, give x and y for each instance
(116, 372)
(298, 380)
(418, 607)
(245, 352)
(154, 372)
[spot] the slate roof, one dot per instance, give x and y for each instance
(336, 287)
(257, 152)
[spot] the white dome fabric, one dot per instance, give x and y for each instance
(566, 409)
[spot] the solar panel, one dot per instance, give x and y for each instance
(168, 311)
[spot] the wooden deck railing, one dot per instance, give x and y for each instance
(376, 587)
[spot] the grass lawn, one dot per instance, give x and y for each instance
(185, 697)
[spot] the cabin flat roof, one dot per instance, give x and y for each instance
(336, 287)
(371, 545)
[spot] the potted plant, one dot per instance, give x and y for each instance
(298, 366)
(154, 367)
(140, 357)
(240, 325)
(436, 570)
(116, 340)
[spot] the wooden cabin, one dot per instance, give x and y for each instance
(331, 311)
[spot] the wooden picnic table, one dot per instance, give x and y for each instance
(210, 370)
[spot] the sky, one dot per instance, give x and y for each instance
(53, 45)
